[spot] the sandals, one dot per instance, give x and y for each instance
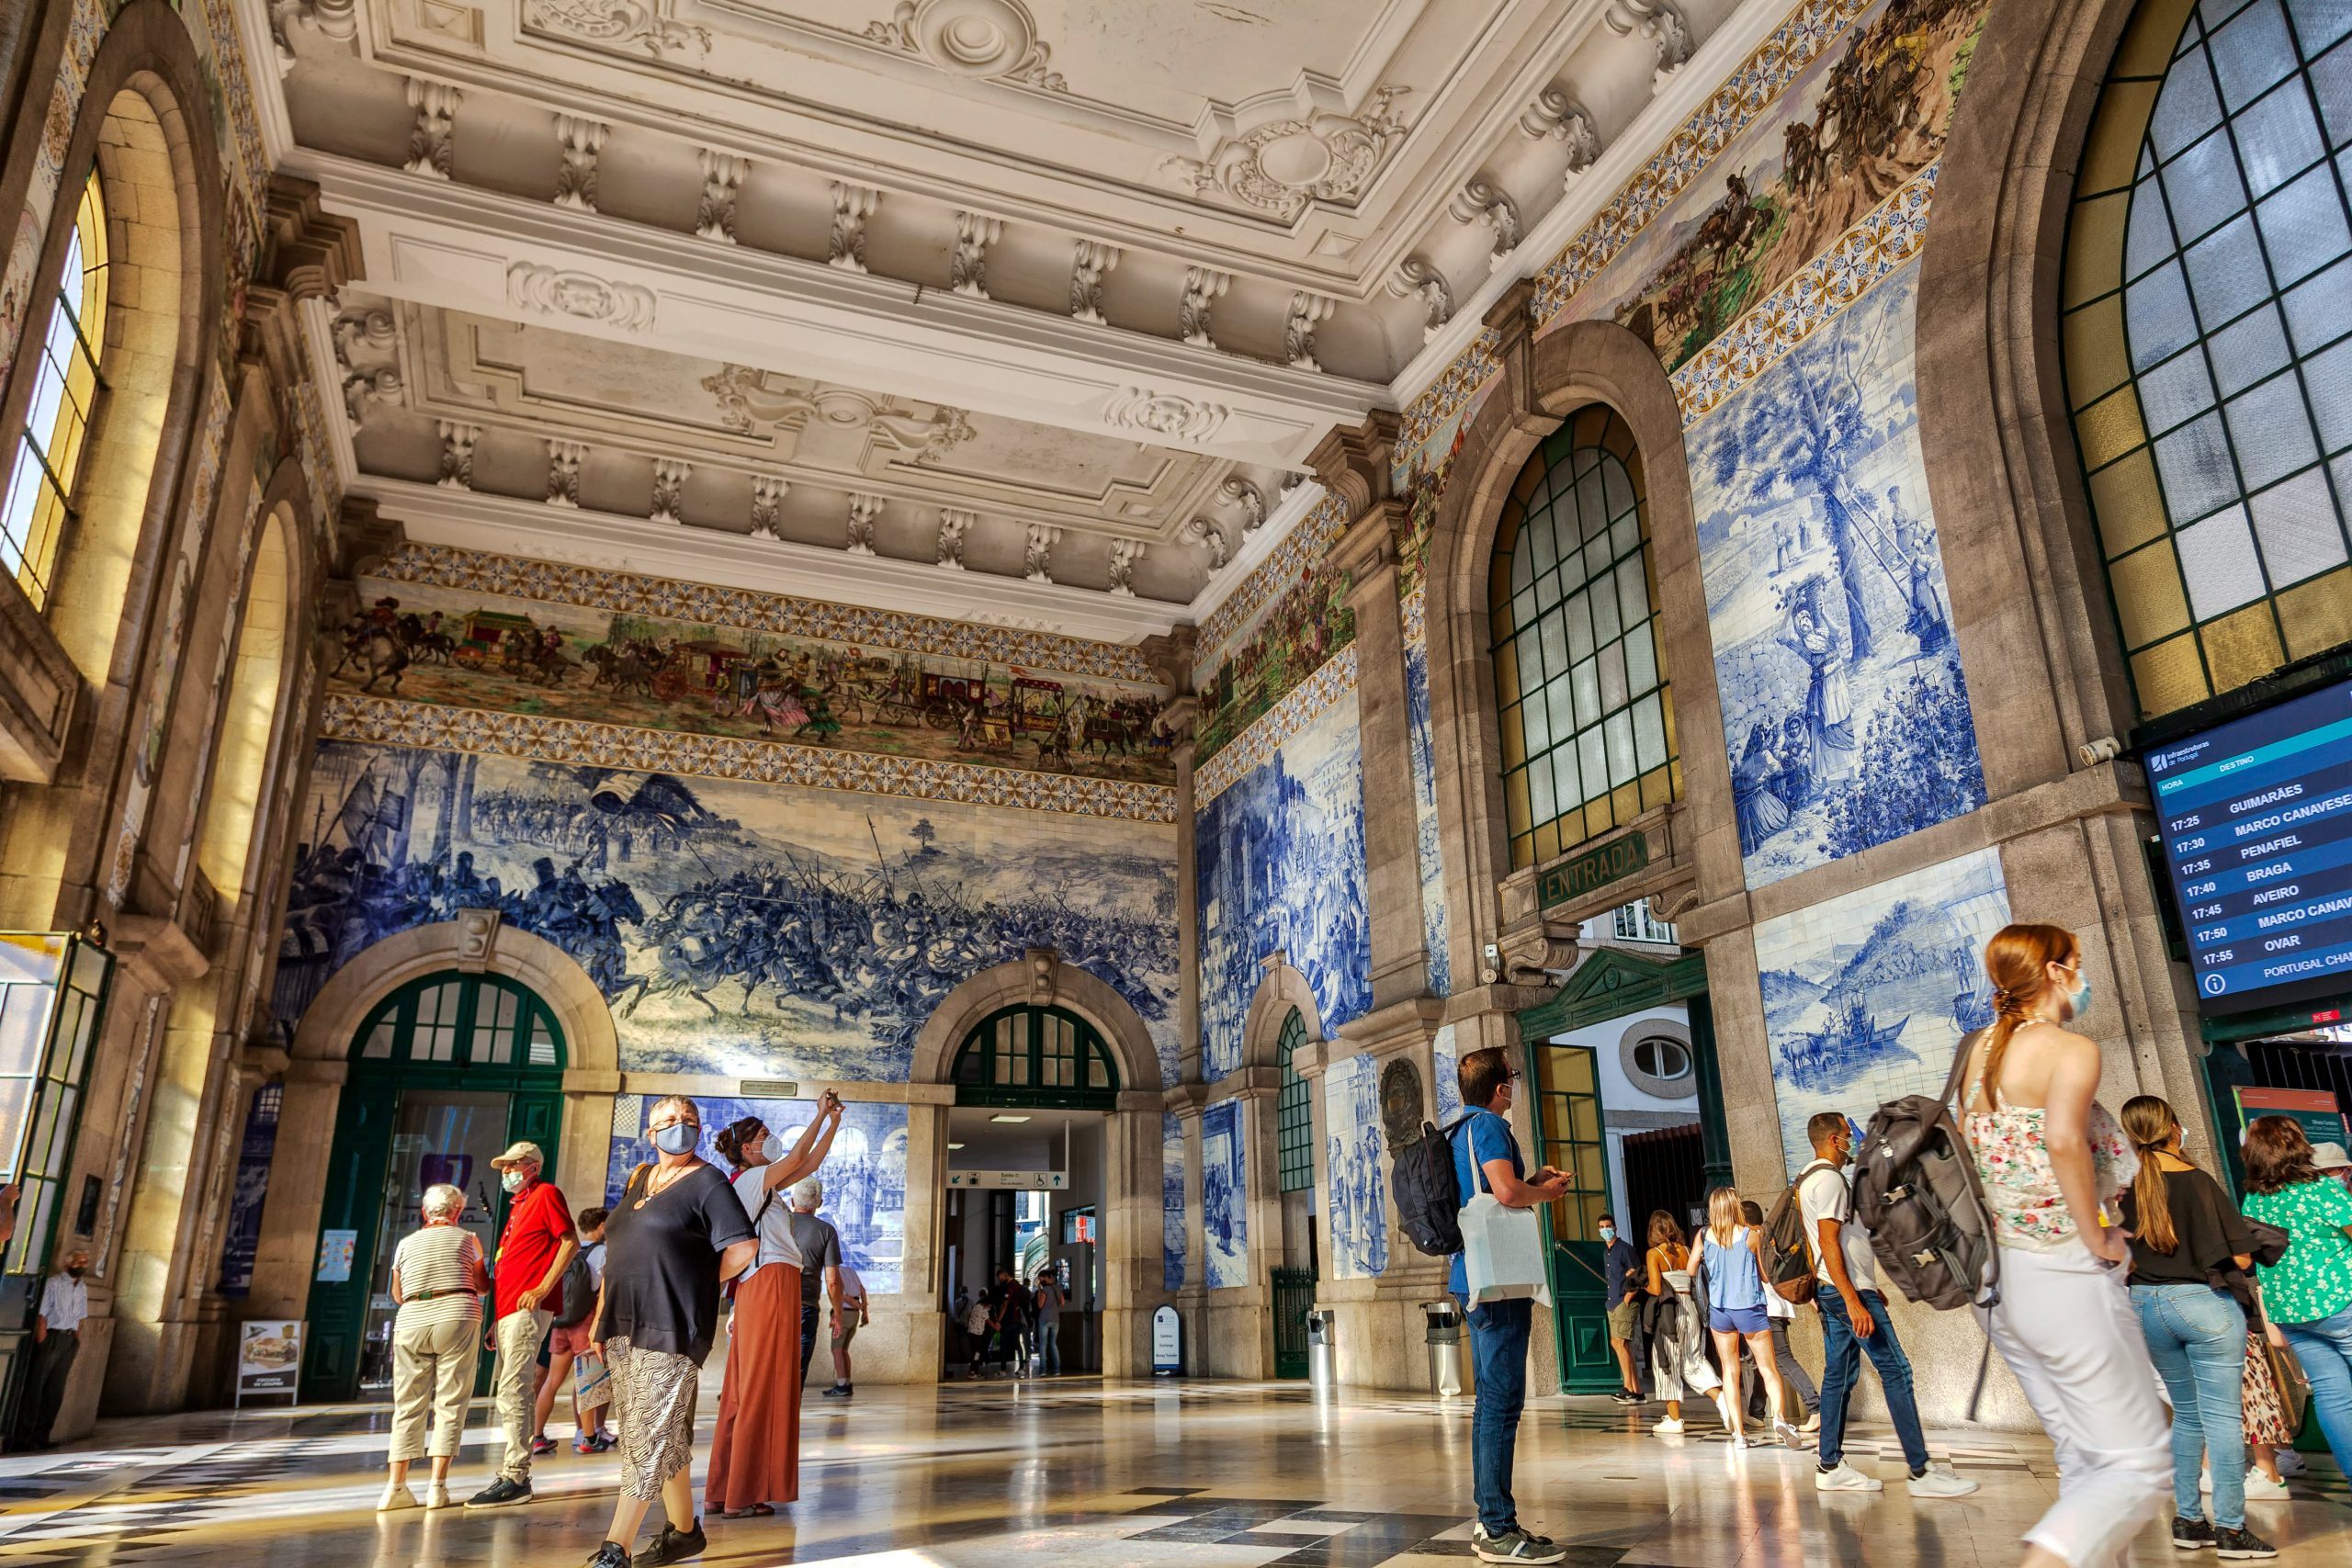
(756, 1511)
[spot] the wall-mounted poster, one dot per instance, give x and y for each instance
(1224, 1196)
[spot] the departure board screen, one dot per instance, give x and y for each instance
(2256, 816)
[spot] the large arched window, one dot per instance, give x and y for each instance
(2208, 299)
(482, 1023)
(1036, 1057)
(249, 718)
(65, 391)
(1587, 721)
(1293, 1112)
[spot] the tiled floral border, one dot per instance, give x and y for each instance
(1254, 745)
(1888, 236)
(1308, 541)
(551, 582)
(389, 721)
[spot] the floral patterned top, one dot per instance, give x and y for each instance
(2314, 1279)
(2013, 1166)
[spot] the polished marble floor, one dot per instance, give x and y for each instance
(1199, 1475)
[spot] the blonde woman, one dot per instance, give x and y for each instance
(1735, 1316)
(2047, 1156)
(1676, 1335)
(438, 1280)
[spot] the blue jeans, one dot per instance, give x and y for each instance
(2325, 1349)
(2196, 1335)
(1841, 1363)
(1498, 1359)
(1049, 1347)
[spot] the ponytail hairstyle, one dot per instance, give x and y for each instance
(1722, 1214)
(2017, 962)
(736, 1137)
(2149, 1123)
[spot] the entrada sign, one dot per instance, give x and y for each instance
(1572, 879)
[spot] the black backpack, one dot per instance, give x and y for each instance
(1915, 1188)
(1428, 1193)
(579, 1291)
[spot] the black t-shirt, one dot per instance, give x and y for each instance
(2207, 1227)
(661, 1262)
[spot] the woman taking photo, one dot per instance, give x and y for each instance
(2183, 1229)
(755, 1454)
(677, 1232)
(1735, 1314)
(2046, 1155)
(1678, 1341)
(438, 1278)
(2308, 1292)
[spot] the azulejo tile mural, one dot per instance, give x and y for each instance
(1867, 996)
(1224, 1196)
(1306, 623)
(734, 927)
(1171, 1201)
(1429, 839)
(1279, 860)
(819, 683)
(1843, 703)
(864, 1174)
(1446, 1082)
(1353, 1152)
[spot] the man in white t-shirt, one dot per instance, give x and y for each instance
(1854, 1320)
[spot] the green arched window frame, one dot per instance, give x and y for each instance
(1040, 1057)
(2207, 313)
(1293, 1114)
(1580, 682)
(483, 1030)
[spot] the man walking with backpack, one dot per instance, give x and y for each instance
(1487, 1158)
(1854, 1320)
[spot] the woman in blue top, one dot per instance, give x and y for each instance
(1736, 1312)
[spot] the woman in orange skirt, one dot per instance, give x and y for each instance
(755, 1457)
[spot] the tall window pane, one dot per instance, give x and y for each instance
(65, 388)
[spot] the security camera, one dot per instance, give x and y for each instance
(2106, 749)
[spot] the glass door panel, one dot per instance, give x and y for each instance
(438, 1136)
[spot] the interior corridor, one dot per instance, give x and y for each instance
(1225, 1476)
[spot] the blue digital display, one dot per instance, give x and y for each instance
(2256, 816)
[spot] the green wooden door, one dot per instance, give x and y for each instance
(1293, 1299)
(433, 1063)
(1568, 1136)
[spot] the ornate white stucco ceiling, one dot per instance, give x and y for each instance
(1105, 267)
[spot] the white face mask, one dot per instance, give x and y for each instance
(772, 1147)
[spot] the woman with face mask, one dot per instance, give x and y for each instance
(755, 1454)
(2048, 1157)
(676, 1232)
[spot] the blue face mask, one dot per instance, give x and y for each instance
(513, 1181)
(1607, 1234)
(2080, 1000)
(677, 1138)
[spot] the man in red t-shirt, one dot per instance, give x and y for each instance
(526, 1288)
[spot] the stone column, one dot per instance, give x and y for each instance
(1185, 1101)
(1134, 1277)
(908, 1333)
(1181, 716)
(1236, 1337)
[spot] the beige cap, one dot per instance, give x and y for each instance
(2330, 1156)
(525, 1152)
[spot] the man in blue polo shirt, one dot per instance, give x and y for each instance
(1487, 1159)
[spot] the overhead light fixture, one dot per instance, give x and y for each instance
(953, 1147)
(1011, 1120)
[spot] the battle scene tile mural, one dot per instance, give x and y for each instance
(1353, 1152)
(1280, 858)
(1867, 996)
(864, 1173)
(733, 927)
(1843, 703)
(1224, 1196)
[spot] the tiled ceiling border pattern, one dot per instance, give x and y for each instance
(388, 721)
(1335, 680)
(552, 583)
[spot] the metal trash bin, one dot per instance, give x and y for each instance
(1444, 1323)
(1322, 1368)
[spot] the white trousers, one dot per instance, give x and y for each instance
(513, 1388)
(433, 1373)
(2066, 1327)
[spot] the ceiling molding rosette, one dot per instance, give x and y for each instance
(1280, 166)
(561, 293)
(642, 24)
(992, 39)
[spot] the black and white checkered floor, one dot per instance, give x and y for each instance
(1194, 1475)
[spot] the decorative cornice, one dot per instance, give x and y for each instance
(550, 582)
(388, 721)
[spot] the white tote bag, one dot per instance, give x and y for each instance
(1502, 1250)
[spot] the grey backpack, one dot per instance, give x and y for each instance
(1915, 1188)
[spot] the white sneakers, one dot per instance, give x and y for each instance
(1844, 1478)
(1941, 1482)
(2260, 1488)
(1790, 1434)
(1670, 1427)
(437, 1494)
(396, 1496)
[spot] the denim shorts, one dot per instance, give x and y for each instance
(1738, 1320)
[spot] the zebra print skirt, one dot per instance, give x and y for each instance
(654, 1412)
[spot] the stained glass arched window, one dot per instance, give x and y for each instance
(1293, 1114)
(1588, 720)
(57, 420)
(2207, 297)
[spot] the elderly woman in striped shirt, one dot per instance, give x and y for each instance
(438, 1278)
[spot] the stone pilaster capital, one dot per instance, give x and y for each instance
(1356, 465)
(1369, 551)
(1512, 318)
(1185, 1101)
(1398, 1027)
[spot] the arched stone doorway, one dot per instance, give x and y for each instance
(1132, 1282)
